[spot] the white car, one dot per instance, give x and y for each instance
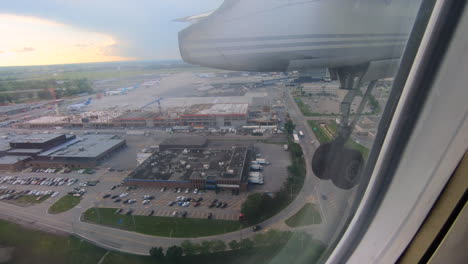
(195, 191)
(54, 194)
(123, 195)
(187, 190)
(145, 202)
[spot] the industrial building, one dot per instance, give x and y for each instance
(145, 119)
(81, 152)
(197, 115)
(13, 163)
(180, 163)
(92, 119)
(216, 115)
(56, 150)
(193, 143)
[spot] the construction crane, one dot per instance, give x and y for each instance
(157, 100)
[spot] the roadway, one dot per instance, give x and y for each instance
(332, 202)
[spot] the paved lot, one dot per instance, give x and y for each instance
(275, 174)
(162, 199)
(63, 189)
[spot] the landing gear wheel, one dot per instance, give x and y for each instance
(321, 161)
(338, 163)
(351, 161)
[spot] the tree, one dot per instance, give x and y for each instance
(289, 126)
(255, 206)
(233, 245)
(189, 248)
(246, 243)
(157, 253)
(205, 247)
(174, 253)
(218, 245)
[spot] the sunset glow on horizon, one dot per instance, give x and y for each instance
(34, 41)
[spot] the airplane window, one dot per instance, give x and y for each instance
(191, 132)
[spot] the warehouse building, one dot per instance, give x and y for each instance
(146, 119)
(184, 166)
(197, 115)
(13, 163)
(81, 152)
(195, 143)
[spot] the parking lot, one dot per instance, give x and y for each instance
(160, 203)
(274, 174)
(44, 183)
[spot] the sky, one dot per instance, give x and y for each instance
(44, 32)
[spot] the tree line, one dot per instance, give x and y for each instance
(278, 245)
(42, 89)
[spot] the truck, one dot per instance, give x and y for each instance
(255, 174)
(255, 177)
(262, 161)
(301, 134)
(255, 167)
(296, 138)
(255, 180)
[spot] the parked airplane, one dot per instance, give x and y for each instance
(79, 105)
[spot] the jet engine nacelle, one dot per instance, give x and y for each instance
(283, 35)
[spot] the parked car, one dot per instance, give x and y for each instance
(256, 228)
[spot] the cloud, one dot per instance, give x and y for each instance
(1, 51)
(25, 49)
(80, 45)
(145, 30)
(109, 49)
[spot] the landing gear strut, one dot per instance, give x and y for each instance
(334, 161)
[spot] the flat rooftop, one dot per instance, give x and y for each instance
(139, 116)
(35, 138)
(217, 109)
(10, 160)
(185, 165)
(86, 117)
(90, 146)
(24, 151)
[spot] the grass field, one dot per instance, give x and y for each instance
(308, 215)
(160, 226)
(303, 107)
(324, 137)
(28, 200)
(39, 247)
(321, 136)
(33, 246)
(65, 203)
